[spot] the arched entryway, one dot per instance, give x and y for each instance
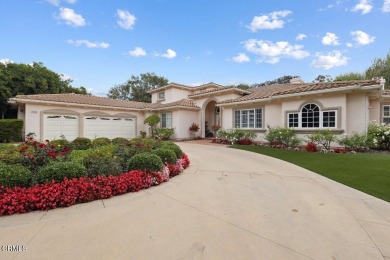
(211, 117)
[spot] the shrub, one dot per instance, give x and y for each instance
(354, 142)
(148, 143)
(59, 144)
(172, 146)
(146, 162)
(166, 155)
(163, 133)
(101, 141)
(14, 175)
(120, 141)
(58, 171)
(281, 135)
(235, 134)
(142, 133)
(100, 161)
(194, 127)
(311, 147)
(245, 141)
(323, 137)
(378, 136)
(81, 143)
(152, 121)
(10, 154)
(10, 130)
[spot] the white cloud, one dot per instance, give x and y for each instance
(386, 6)
(270, 52)
(241, 58)
(66, 77)
(58, 2)
(349, 44)
(126, 20)
(137, 52)
(329, 60)
(170, 54)
(330, 39)
(301, 37)
(362, 38)
(71, 18)
(269, 21)
(89, 44)
(6, 61)
(364, 6)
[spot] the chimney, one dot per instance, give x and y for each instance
(296, 80)
(381, 81)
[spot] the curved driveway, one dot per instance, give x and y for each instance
(229, 204)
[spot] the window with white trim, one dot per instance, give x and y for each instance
(386, 114)
(248, 118)
(311, 116)
(166, 120)
(161, 95)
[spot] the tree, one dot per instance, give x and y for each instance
(152, 121)
(380, 68)
(323, 78)
(350, 76)
(136, 88)
(281, 80)
(243, 86)
(27, 79)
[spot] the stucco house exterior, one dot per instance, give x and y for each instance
(344, 107)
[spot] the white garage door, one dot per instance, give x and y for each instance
(56, 125)
(110, 127)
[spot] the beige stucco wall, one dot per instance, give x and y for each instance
(181, 122)
(357, 117)
(171, 95)
(374, 111)
(34, 116)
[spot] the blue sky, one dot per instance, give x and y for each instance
(99, 44)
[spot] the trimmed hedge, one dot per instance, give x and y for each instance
(166, 155)
(11, 130)
(14, 175)
(145, 162)
(172, 146)
(81, 143)
(101, 141)
(58, 171)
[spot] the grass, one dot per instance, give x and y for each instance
(369, 173)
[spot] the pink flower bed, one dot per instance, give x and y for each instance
(85, 189)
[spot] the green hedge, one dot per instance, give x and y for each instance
(14, 175)
(166, 155)
(58, 171)
(146, 162)
(10, 130)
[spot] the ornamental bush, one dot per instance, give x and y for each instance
(145, 162)
(311, 147)
(100, 161)
(354, 142)
(166, 155)
(101, 141)
(172, 146)
(120, 141)
(163, 133)
(10, 154)
(282, 136)
(323, 137)
(378, 136)
(59, 144)
(11, 130)
(234, 135)
(81, 143)
(58, 171)
(14, 175)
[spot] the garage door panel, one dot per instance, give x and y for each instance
(57, 125)
(109, 127)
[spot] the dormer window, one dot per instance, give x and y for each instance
(161, 95)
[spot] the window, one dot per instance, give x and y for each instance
(166, 120)
(311, 116)
(386, 114)
(293, 120)
(161, 95)
(248, 118)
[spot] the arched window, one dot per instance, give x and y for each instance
(310, 116)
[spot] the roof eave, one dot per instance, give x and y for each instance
(219, 91)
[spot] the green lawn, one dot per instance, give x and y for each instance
(369, 173)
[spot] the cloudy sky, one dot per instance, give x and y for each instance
(99, 44)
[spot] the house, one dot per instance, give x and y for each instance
(344, 107)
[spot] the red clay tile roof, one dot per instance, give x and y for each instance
(219, 90)
(285, 89)
(84, 100)
(180, 103)
(190, 88)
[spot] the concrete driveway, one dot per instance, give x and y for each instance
(229, 204)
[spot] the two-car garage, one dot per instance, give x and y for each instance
(72, 126)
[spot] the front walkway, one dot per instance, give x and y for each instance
(229, 204)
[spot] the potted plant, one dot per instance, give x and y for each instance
(215, 129)
(193, 129)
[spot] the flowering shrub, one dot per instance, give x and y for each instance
(215, 127)
(194, 128)
(164, 133)
(311, 147)
(245, 141)
(120, 141)
(379, 136)
(69, 192)
(220, 141)
(283, 136)
(323, 137)
(235, 134)
(81, 143)
(339, 150)
(354, 142)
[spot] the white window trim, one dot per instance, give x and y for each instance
(383, 113)
(170, 126)
(163, 94)
(321, 120)
(254, 119)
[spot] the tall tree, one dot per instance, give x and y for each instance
(243, 86)
(350, 76)
(135, 89)
(26, 79)
(323, 78)
(280, 80)
(380, 68)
